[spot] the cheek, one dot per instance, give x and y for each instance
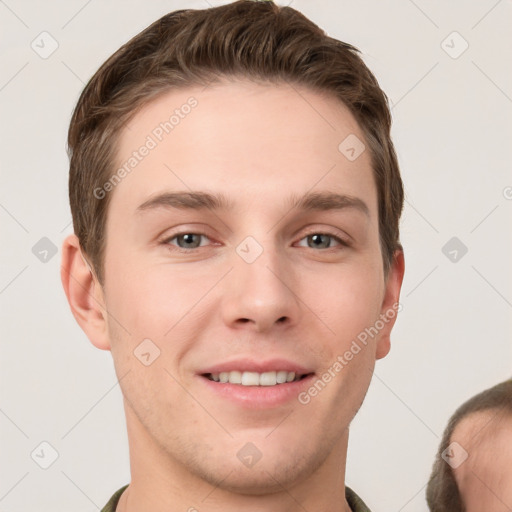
(350, 303)
(144, 305)
(139, 303)
(148, 300)
(159, 302)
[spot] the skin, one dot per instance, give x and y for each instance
(484, 479)
(257, 145)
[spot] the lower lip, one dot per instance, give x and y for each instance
(258, 397)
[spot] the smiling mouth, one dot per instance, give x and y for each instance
(273, 378)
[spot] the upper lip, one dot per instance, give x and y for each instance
(252, 365)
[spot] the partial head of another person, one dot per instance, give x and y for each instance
(473, 467)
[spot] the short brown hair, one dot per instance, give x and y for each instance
(256, 40)
(442, 491)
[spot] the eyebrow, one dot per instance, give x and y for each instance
(197, 200)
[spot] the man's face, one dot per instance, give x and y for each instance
(484, 479)
(254, 285)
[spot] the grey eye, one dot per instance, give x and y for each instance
(188, 241)
(319, 240)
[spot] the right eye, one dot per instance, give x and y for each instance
(185, 241)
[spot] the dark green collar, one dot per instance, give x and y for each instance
(355, 502)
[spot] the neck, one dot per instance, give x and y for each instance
(161, 484)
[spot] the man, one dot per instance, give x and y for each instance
(236, 201)
(473, 467)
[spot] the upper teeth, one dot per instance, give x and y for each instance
(254, 378)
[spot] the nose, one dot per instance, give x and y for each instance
(261, 294)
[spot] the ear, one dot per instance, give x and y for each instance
(84, 293)
(390, 303)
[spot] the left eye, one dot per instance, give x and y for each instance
(321, 240)
(189, 240)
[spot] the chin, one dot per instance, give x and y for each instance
(257, 482)
(272, 472)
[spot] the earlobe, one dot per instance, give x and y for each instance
(84, 293)
(390, 304)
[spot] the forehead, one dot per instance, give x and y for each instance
(487, 438)
(262, 140)
(481, 425)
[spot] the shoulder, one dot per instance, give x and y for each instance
(112, 504)
(355, 502)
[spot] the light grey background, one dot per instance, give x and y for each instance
(453, 133)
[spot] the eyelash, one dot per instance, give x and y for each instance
(175, 248)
